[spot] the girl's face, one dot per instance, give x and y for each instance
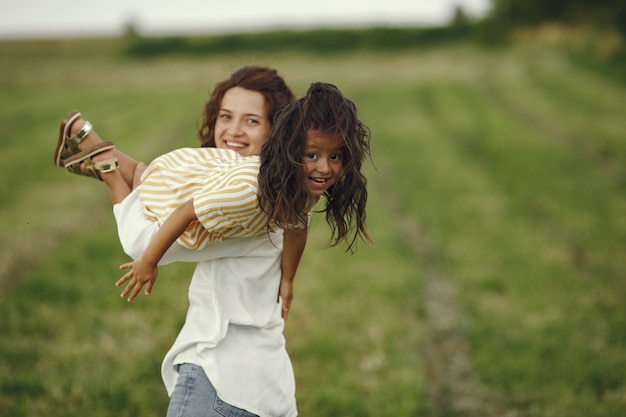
(242, 122)
(323, 162)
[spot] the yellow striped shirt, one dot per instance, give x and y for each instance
(222, 184)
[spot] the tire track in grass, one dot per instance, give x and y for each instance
(454, 388)
(550, 121)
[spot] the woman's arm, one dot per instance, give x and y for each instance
(144, 270)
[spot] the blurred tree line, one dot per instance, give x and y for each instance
(594, 31)
(600, 13)
(601, 24)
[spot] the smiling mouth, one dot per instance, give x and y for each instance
(318, 181)
(235, 144)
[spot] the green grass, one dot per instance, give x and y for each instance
(498, 173)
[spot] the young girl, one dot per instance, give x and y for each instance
(316, 148)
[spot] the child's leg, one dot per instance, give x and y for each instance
(117, 185)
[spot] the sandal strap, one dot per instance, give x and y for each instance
(108, 165)
(81, 134)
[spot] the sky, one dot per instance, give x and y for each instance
(75, 18)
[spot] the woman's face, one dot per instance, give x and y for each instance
(242, 122)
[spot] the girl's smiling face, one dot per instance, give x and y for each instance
(322, 162)
(242, 123)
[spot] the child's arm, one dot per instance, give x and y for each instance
(294, 242)
(144, 270)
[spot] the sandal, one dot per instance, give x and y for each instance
(92, 169)
(67, 146)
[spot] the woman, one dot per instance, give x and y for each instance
(229, 357)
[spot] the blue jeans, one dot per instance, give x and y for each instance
(194, 396)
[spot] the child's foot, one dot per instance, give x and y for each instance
(79, 149)
(77, 141)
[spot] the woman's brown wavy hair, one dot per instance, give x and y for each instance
(281, 177)
(261, 79)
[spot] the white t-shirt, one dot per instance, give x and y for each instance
(233, 327)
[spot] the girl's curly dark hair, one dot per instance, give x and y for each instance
(281, 177)
(261, 79)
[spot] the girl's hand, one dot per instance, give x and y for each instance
(140, 274)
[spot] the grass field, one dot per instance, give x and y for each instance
(497, 197)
